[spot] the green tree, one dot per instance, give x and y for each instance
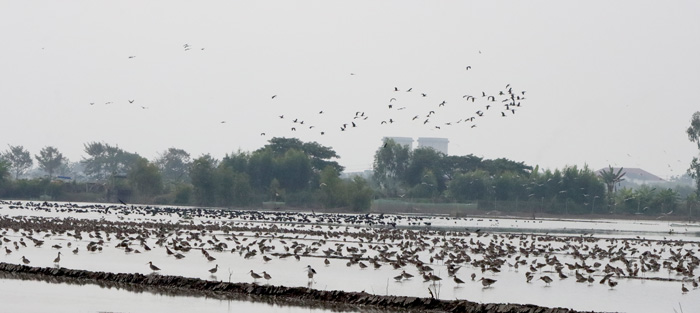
(19, 160)
(319, 156)
(294, 170)
(242, 191)
(389, 168)
(174, 165)
(202, 175)
(225, 179)
(509, 186)
(462, 164)
(331, 188)
(146, 178)
(4, 173)
(470, 186)
(501, 165)
(666, 200)
(50, 160)
(261, 169)
(104, 161)
(693, 133)
(238, 161)
(359, 194)
(611, 178)
(428, 186)
(426, 161)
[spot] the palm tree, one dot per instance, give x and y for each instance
(611, 178)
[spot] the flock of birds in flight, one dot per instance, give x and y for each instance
(503, 103)
(185, 47)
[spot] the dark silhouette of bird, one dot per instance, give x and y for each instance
(213, 270)
(153, 267)
(683, 288)
(254, 275)
(274, 96)
(310, 271)
(457, 280)
(546, 279)
(469, 67)
(131, 101)
(487, 282)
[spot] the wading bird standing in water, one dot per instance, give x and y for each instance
(310, 272)
(153, 267)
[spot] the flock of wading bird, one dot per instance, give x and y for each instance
(408, 244)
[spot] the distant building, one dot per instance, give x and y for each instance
(439, 144)
(636, 176)
(404, 141)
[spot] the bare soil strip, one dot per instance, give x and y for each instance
(297, 296)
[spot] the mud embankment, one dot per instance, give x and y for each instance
(298, 296)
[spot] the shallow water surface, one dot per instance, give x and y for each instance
(312, 240)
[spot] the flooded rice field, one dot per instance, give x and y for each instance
(586, 265)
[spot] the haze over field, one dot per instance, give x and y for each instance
(606, 82)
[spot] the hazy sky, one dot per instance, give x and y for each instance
(607, 82)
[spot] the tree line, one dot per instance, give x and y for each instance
(286, 170)
(306, 174)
